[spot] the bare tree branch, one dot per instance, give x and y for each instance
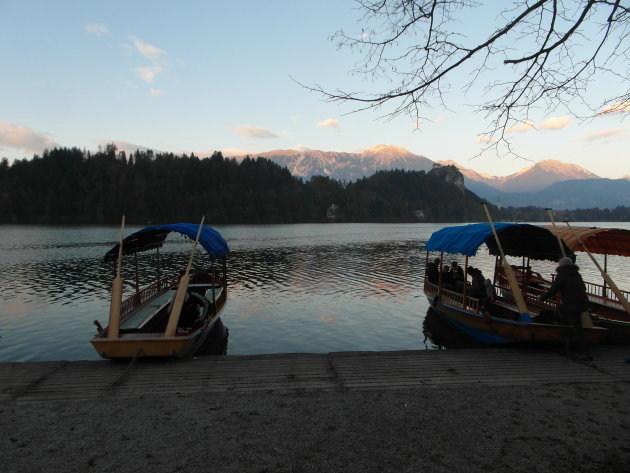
(542, 54)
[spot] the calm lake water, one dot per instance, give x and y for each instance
(292, 288)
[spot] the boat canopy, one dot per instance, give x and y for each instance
(153, 237)
(517, 239)
(603, 241)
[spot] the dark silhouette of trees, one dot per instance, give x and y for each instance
(69, 185)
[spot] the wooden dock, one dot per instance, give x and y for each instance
(42, 381)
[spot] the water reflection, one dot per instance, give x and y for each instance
(217, 341)
(383, 270)
(445, 335)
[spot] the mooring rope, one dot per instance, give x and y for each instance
(132, 364)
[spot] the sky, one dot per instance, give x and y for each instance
(205, 76)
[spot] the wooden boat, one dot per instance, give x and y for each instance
(148, 322)
(513, 313)
(609, 304)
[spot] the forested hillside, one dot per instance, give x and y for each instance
(69, 185)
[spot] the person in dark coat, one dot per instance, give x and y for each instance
(574, 300)
(457, 277)
(477, 284)
(433, 271)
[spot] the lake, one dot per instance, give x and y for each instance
(314, 288)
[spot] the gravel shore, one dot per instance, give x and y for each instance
(565, 427)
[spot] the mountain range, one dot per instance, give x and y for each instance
(347, 166)
(548, 183)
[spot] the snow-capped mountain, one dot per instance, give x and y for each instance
(530, 179)
(347, 166)
(546, 183)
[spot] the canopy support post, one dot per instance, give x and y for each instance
(214, 298)
(509, 272)
(135, 262)
(605, 290)
(465, 289)
(440, 278)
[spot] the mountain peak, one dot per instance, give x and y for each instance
(570, 170)
(389, 151)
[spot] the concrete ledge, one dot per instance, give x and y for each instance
(33, 382)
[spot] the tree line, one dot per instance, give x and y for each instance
(70, 185)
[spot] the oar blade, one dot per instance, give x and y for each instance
(516, 293)
(114, 308)
(178, 303)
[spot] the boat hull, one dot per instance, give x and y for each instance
(618, 331)
(495, 330)
(152, 346)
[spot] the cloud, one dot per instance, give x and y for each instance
(485, 139)
(156, 56)
(302, 148)
(256, 132)
(150, 52)
(522, 127)
(552, 123)
(97, 29)
(148, 74)
(601, 135)
(156, 92)
(21, 137)
(617, 107)
(555, 123)
(329, 123)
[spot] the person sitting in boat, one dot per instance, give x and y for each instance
(447, 283)
(457, 277)
(574, 300)
(477, 286)
(433, 271)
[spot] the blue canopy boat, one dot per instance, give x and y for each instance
(495, 316)
(172, 316)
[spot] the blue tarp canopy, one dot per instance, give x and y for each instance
(153, 237)
(517, 239)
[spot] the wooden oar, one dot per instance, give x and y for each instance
(607, 278)
(178, 303)
(114, 308)
(509, 272)
(553, 223)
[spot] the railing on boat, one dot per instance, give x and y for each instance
(502, 292)
(140, 297)
(604, 293)
(601, 293)
(136, 300)
(452, 298)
